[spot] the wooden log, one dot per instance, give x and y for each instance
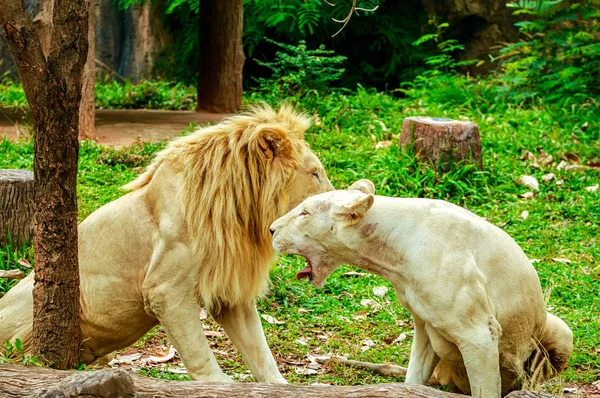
(20, 381)
(384, 369)
(16, 205)
(443, 142)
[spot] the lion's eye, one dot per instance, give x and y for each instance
(304, 213)
(316, 175)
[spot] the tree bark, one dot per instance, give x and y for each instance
(443, 142)
(221, 56)
(52, 86)
(16, 205)
(87, 108)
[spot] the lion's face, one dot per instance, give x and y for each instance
(322, 229)
(310, 179)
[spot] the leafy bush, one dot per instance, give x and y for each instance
(298, 70)
(559, 57)
(146, 94)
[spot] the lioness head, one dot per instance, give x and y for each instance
(322, 229)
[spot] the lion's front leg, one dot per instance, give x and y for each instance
(169, 295)
(243, 327)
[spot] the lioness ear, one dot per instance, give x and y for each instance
(364, 185)
(273, 144)
(354, 211)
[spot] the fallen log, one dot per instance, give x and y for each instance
(21, 381)
(16, 205)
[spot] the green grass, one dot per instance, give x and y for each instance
(564, 220)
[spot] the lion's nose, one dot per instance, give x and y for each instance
(272, 230)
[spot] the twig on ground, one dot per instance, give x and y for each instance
(384, 369)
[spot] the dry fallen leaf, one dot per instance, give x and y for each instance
(303, 311)
(545, 159)
(127, 358)
(383, 144)
(301, 342)
(528, 156)
(529, 182)
(535, 260)
(164, 358)
(592, 189)
(11, 274)
(212, 333)
(271, 320)
(525, 215)
(24, 263)
(561, 165)
(203, 314)
(367, 344)
(528, 195)
(562, 260)
(548, 177)
(306, 371)
(178, 371)
(380, 291)
(361, 315)
(402, 337)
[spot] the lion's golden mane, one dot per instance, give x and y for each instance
(231, 190)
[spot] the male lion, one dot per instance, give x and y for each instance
(194, 230)
(477, 305)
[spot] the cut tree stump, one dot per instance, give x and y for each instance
(16, 205)
(443, 142)
(20, 381)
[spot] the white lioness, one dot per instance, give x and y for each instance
(478, 309)
(195, 230)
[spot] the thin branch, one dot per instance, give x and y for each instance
(384, 369)
(353, 10)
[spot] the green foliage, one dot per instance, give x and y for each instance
(119, 95)
(298, 70)
(558, 58)
(146, 94)
(14, 256)
(13, 354)
(444, 60)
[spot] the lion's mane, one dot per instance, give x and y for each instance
(234, 178)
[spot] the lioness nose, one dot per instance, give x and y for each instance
(272, 230)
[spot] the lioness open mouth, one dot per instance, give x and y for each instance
(306, 272)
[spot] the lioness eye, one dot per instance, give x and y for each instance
(316, 175)
(304, 213)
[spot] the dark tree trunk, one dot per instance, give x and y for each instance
(221, 56)
(53, 89)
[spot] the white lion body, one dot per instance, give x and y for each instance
(478, 308)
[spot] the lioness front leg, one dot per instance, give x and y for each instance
(423, 358)
(242, 325)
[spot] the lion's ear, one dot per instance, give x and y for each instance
(355, 210)
(273, 144)
(364, 186)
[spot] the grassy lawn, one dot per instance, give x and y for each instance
(563, 222)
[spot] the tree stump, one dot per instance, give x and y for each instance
(443, 142)
(16, 205)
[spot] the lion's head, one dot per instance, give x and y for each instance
(237, 178)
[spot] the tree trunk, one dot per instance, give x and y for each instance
(52, 86)
(443, 142)
(87, 108)
(221, 56)
(19, 381)
(16, 205)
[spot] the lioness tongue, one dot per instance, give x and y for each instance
(305, 273)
